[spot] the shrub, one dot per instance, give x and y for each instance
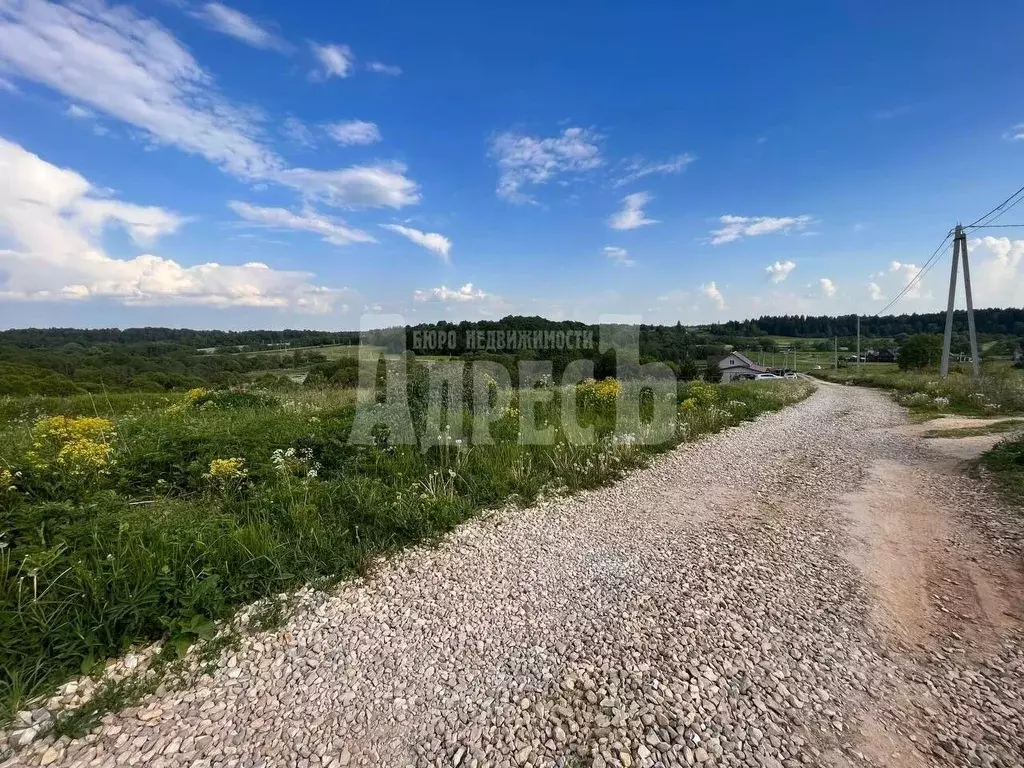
(229, 399)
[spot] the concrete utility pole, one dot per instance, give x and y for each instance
(836, 366)
(960, 249)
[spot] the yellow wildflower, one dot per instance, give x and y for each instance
(227, 470)
(604, 391)
(195, 394)
(79, 446)
(80, 457)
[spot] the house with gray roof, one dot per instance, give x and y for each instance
(736, 365)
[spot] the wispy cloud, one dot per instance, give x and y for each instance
(332, 61)
(79, 112)
(241, 27)
(333, 230)
(893, 113)
(298, 132)
(907, 274)
(875, 290)
(826, 287)
(632, 214)
(712, 292)
(638, 168)
(360, 186)
(620, 256)
(432, 241)
(348, 132)
(466, 293)
(780, 270)
(130, 68)
(383, 69)
(736, 227)
(532, 160)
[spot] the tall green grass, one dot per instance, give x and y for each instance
(1000, 391)
(162, 543)
(1005, 462)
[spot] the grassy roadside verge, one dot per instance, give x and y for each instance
(926, 394)
(134, 519)
(1005, 465)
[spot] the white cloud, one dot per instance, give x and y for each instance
(79, 112)
(360, 186)
(348, 132)
(333, 60)
(298, 132)
(907, 273)
(736, 227)
(619, 255)
(712, 292)
(997, 279)
(239, 26)
(1017, 132)
(638, 168)
(827, 287)
(7, 85)
(131, 68)
(466, 293)
(53, 217)
(525, 160)
(632, 214)
(876, 292)
(432, 241)
(780, 270)
(384, 69)
(334, 231)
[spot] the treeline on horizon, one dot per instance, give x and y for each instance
(995, 322)
(59, 361)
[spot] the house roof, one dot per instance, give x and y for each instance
(745, 362)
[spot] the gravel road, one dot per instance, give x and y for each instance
(801, 590)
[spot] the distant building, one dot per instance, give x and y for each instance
(881, 356)
(736, 365)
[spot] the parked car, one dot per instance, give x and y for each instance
(762, 376)
(791, 375)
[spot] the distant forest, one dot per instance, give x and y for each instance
(59, 361)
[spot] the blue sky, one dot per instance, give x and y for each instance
(260, 164)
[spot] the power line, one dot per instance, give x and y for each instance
(1001, 207)
(932, 260)
(981, 222)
